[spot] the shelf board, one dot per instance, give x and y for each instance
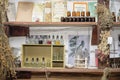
(58, 45)
(58, 60)
(65, 70)
(55, 24)
(43, 45)
(37, 45)
(51, 24)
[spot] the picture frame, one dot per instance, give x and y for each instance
(80, 6)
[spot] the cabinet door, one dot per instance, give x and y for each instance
(58, 56)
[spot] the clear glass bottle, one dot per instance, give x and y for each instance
(53, 39)
(118, 16)
(57, 42)
(27, 41)
(61, 40)
(36, 39)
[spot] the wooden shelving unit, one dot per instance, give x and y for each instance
(51, 24)
(33, 54)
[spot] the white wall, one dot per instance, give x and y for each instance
(65, 31)
(114, 46)
(17, 42)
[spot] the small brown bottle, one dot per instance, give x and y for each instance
(88, 14)
(73, 13)
(68, 13)
(82, 13)
(78, 13)
(114, 17)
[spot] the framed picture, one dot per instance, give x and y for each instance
(78, 45)
(80, 6)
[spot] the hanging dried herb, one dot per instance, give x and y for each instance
(105, 17)
(6, 59)
(105, 23)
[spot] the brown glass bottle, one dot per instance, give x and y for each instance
(62, 19)
(68, 13)
(78, 13)
(73, 13)
(87, 13)
(82, 13)
(114, 17)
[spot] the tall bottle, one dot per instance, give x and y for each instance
(27, 41)
(40, 40)
(57, 42)
(36, 39)
(53, 39)
(114, 16)
(61, 40)
(118, 16)
(49, 40)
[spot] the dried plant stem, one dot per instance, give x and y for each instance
(6, 58)
(105, 22)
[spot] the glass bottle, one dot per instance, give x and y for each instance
(83, 13)
(53, 39)
(49, 40)
(78, 13)
(73, 13)
(27, 39)
(61, 40)
(37, 60)
(43, 62)
(36, 39)
(88, 14)
(62, 19)
(32, 60)
(57, 42)
(40, 40)
(118, 16)
(82, 16)
(68, 13)
(26, 60)
(114, 17)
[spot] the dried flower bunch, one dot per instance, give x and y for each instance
(105, 22)
(6, 59)
(105, 17)
(106, 74)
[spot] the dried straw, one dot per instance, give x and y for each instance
(6, 59)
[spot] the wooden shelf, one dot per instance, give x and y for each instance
(57, 60)
(65, 70)
(51, 24)
(55, 24)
